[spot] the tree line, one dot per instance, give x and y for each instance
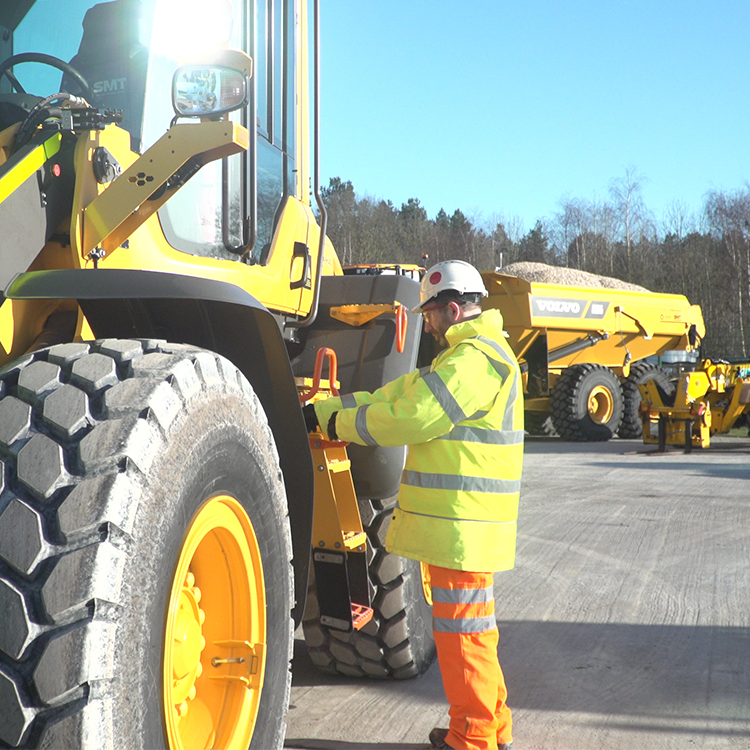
(704, 255)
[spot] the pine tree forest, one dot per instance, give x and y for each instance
(706, 256)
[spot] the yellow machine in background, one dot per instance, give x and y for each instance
(707, 401)
(166, 287)
(583, 350)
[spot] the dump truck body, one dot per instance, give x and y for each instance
(640, 324)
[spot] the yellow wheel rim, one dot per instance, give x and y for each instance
(215, 634)
(426, 582)
(601, 404)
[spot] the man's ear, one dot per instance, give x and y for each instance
(455, 309)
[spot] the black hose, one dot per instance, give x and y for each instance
(39, 113)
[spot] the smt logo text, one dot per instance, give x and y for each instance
(111, 86)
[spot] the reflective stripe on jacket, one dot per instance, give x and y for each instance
(462, 419)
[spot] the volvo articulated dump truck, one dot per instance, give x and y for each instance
(583, 350)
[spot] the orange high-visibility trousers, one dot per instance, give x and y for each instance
(463, 621)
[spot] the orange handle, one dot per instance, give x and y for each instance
(400, 328)
(332, 373)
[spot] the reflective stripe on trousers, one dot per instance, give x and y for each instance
(463, 622)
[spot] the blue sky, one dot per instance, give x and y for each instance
(504, 107)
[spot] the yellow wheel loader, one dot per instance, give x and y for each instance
(166, 291)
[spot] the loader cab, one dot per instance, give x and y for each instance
(128, 50)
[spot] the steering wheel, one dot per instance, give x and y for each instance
(40, 57)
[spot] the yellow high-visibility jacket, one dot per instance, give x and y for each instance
(462, 419)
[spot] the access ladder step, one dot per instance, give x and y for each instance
(361, 615)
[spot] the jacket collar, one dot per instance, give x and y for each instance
(489, 323)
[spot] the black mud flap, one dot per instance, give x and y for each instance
(367, 359)
(342, 587)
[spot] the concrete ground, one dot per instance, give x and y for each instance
(625, 624)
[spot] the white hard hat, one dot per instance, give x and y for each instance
(457, 275)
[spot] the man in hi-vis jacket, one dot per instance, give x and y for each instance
(462, 419)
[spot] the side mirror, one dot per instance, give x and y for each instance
(208, 90)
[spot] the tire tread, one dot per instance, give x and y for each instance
(396, 643)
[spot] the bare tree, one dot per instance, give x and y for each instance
(586, 233)
(630, 209)
(729, 215)
(571, 229)
(678, 220)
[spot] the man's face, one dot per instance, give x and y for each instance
(438, 320)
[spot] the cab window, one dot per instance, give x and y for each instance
(208, 216)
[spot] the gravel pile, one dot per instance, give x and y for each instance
(545, 274)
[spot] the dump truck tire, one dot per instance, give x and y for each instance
(586, 403)
(640, 373)
(397, 643)
(143, 507)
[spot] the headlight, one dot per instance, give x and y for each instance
(206, 90)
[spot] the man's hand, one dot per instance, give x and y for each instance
(311, 418)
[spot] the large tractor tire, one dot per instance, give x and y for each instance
(640, 373)
(143, 509)
(586, 403)
(397, 643)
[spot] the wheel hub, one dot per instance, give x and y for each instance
(215, 635)
(188, 644)
(600, 404)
